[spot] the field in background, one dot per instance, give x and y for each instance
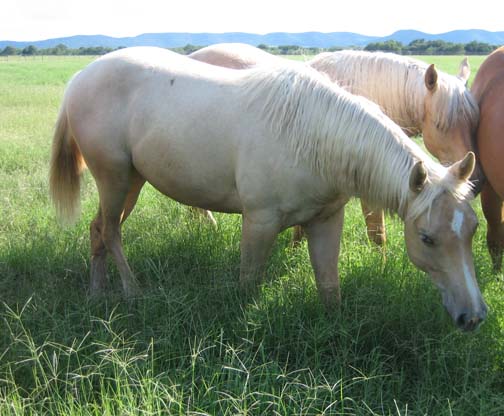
(192, 344)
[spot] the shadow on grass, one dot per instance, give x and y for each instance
(390, 338)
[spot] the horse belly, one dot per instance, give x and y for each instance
(191, 173)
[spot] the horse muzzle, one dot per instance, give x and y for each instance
(470, 321)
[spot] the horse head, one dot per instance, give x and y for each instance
(450, 118)
(439, 238)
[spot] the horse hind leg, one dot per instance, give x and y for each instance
(297, 236)
(98, 248)
(206, 214)
(375, 224)
(492, 206)
(118, 194)
(98, 264)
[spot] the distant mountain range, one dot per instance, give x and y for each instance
(305, 39)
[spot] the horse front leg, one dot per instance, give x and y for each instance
(324, 245)
(375, 224)
(492, 206)
(258, 235)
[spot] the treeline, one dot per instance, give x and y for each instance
(57, 50)
(432, 47)
(186, 50)
(416, 47)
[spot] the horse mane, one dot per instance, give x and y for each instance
(397, 84)
(347, 139)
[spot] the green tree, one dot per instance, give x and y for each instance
(478, 48)
(387, 46)
(60, 49)
(188, 49)
(29, 51)
(8, 51)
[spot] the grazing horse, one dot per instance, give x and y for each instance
(413, 94)
(488, 89)
(281, 146)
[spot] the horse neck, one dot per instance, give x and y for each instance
(395, 85)
(345, 139)
(368, 156)
(379, 175)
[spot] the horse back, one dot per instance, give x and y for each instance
(234, 55)
(178, 122)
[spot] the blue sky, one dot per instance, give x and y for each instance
(39, 19)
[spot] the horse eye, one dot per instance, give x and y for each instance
(426, 239)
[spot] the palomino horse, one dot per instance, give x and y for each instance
(416, 96)
(281, 146)
(488, 89)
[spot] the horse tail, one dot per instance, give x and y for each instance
(66, 167)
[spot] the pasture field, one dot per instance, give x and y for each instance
(192, 344)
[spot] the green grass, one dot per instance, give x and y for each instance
(193, 344)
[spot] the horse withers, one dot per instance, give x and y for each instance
(488, 89)
(281, 146)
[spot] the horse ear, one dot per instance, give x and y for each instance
(463, 169)
(418, 177)
(431, 78)
(464, 70)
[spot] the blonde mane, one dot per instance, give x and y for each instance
(397, 84)
(346, 139)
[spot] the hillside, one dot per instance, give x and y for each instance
(306, 39)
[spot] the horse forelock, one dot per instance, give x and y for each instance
(439, 181)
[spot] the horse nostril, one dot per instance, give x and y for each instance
(468, 324)
(461, 320)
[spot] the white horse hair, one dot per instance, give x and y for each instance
(351, 141)
(397, 82)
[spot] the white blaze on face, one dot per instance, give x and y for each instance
(473, 289)
(457, 222)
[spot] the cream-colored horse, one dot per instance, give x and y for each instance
(413, 94)
(281, 146)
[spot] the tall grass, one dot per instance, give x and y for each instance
(193, 343)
